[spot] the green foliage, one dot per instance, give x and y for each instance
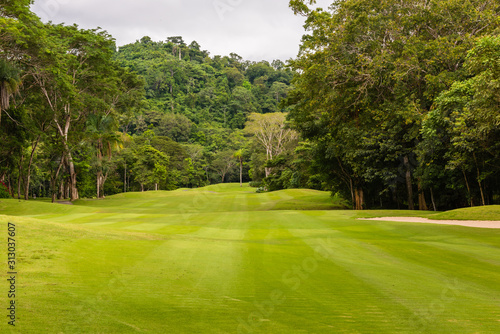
(15, 8)
(256, 184)
(392, 102)
(202, 102)
(370, 74)
(261, 190)
(175, 126)
(224, 164)
(78, 92)
(150, 168)
(4, 191)
(185, 80)
(462, 132)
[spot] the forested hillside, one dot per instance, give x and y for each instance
(186, 80)
(83, 118)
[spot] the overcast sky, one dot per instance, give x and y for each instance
(254, 29)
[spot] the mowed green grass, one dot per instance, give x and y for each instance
(224, 259)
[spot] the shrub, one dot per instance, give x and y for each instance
(4, 191)
(256, 184)
(261, 190)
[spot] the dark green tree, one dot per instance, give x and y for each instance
(370, 72)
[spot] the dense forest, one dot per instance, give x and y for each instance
(388, 104)
(401, 100)
(82, 118)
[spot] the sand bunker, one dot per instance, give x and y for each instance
(469, 223)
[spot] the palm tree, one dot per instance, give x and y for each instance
(9, 84)
(239, 155)
(104, 138)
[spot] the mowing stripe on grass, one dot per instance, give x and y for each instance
(220, 260)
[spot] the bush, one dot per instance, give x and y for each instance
(256, 184)
(261, 190)
(4, 191)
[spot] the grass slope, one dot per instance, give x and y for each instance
(225, 260)
(491, 212)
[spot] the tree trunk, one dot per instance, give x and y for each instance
(99, 170)
(480, 187)
(69, 159)
(269, 157)
(19, 180)
(104, 178)
(67, 189)
(72, 175)
(356, 199)
(468, 188)
(359, 198)
(142, 187)
(241, 173)
(482, 193)
(98, 184)
(422, 204)
(28, 172)
(409, 186)
(61, 190)
(479, 181)
(432, 199)
(53, 180)
(10, 186)
(353, 197)
(125, 179)
(156, 186)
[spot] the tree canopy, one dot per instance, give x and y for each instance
(371, 73)
(81, 118)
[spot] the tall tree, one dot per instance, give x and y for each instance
(464, 128)
(103, 135)
(370, 72)
(223, 163)
(271, 132)
(78, 78)
(150, 167)
(239, 155)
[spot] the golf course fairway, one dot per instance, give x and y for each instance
(223, 259)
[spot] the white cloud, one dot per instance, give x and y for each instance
(254, 29)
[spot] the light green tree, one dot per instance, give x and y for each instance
(272, 133)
